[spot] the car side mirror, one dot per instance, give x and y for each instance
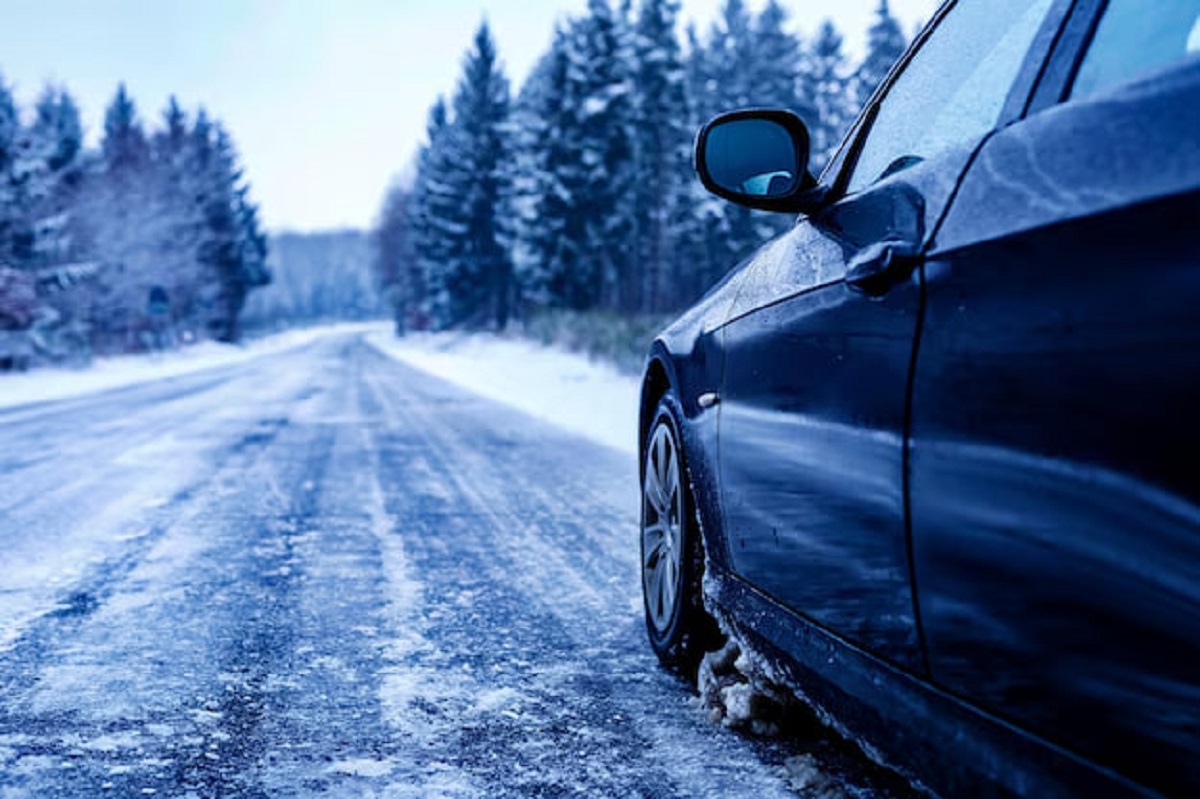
(757, 158)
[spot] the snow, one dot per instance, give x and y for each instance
(42, 385)
(388, 591)
(566, 389)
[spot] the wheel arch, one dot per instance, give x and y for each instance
(655, 385)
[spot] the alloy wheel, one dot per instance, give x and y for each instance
(662, 528)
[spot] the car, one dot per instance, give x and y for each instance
(933, 452)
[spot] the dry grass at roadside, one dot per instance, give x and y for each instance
(620, 340)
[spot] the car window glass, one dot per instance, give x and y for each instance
(953, 89)
(1135, 38)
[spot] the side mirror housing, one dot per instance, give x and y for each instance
(758, 158)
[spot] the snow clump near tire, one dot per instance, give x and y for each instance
(737, 692)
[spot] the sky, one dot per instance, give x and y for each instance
(326, 99)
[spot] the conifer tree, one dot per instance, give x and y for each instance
(600, 65)
(434, 209)
(885, 45)
(733, 66)
(779, 78)
(747, 61)
(574, 167)
(835, 105)
(57, 130)
(222, 245)
(124, 146)
(9, 210)
(51, 177)
(471, 282)
(606, 210)
(661, 151)
(544, 183)
(393, 261)
(148, 232)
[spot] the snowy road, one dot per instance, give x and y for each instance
(322, 572)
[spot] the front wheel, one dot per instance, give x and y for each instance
(679, 627)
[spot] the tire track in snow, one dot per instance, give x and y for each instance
(527, 537)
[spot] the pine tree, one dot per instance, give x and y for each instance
(393, 261)
(125, 148)
(434, 211)
(733, 66)
(57, 130)
(885, 45)
(169, 144)
(230, 226)
(120, 220)
(473, 283)
(574, 155)
(253, 245)
(747, 61)
(599, 70)
(833, 97)
(779, 78)
(51, 177)
(180, 222)
(661, 152)
(9, 210)
(545, 176)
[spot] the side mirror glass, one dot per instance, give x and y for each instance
(756, 158)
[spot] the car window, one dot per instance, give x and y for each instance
(1135, 38)
(953, 89)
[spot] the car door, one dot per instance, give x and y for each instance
(1054, 488)
(819, 343)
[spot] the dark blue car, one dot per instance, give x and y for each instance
(936, 450)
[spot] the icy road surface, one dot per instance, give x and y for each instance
(321, 572)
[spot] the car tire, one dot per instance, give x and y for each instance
(672, 552)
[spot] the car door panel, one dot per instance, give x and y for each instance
(1055, 504)
(812, 418)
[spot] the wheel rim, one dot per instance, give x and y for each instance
(662, 528)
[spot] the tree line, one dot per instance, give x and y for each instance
(315, 277)
(578, 192)
(148, 239)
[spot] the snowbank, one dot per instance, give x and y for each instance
(41, 385)
(562, 388)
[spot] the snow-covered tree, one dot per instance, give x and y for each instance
(470, 281)
(232, 248)
(600, 67)
(661, 164)
(832, 95)
(885, 45)
(434, 211)
(544, 178)
(150, 235)
(120, 222)
(746, 61)
(779, 74)
(732, 65)
(574, 157)
(393, 259)
(10, 211)
(124, 146)
(597, 178)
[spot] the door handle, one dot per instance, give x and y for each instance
(882, 265)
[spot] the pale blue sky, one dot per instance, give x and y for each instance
(325, 98)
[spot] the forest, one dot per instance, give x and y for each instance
(148, 241)
(571, 196)
(575, 193)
